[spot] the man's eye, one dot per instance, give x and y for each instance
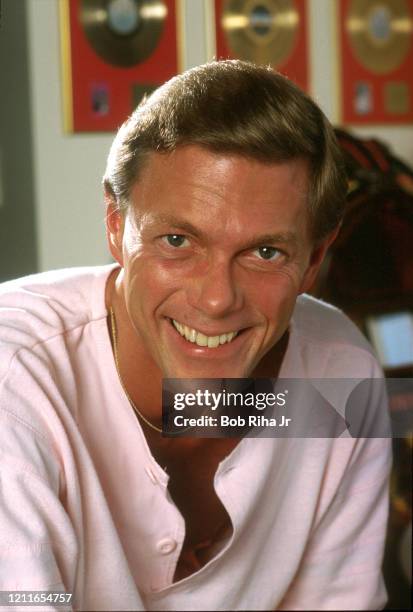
(268, 253)
(175, 240)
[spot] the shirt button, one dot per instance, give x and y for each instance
(166, 546)
(152, 475)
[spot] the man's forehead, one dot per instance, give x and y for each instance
(200, 173)
(197, 191)
(200, 157)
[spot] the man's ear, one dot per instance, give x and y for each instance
(316, 259)
(114, 228)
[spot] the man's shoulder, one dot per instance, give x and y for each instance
(329, 344)
(36, 308)
(325, 324)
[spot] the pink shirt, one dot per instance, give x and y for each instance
(85, 507)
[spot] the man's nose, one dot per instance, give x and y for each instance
(215, 290)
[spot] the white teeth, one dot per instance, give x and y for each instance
(200, 339)
(213, 342)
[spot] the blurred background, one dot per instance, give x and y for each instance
(72, 70)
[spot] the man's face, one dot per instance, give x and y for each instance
(214, 250)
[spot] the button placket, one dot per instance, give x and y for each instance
(167, 549)
(151, 474)
(166, 546)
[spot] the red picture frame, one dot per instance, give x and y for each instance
(368, 96)
(99, 96)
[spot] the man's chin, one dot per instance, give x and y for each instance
(201, 371)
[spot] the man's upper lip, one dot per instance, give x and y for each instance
(201, 329)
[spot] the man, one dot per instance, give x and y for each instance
(224, 190)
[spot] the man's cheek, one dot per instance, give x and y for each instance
(174, 271)
(271, 297)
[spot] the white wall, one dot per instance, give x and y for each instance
(68, 168)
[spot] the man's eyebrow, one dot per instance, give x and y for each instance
(254, 241)
(277, 238)
(177, 222)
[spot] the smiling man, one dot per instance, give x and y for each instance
(224, 190)
(209, 243)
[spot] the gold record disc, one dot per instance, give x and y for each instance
(123, 32)
(260, 31)
(380, 33)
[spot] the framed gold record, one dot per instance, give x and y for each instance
(379, 33)
(376, 41)
(123, 32)
(271, 32)
(114, 52)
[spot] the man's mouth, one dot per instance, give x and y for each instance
(196, 337)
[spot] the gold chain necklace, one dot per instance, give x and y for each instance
(115, 352)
